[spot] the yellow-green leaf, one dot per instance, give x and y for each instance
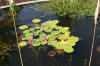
(73, 39)
(23, 27)
(36, 20)
(68, 49)
(23, 43)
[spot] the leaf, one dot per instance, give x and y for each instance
(36, 33)
(41, 39)
(68, 49)
(23, 27)
(49, 30)
(73, 39)
(42, 35)
(50, 43)
(58, 46)
(29, 36)
(23, 43)
(31, 29)
(26, 31)
(59, 27)
(43, 42)
(23, 38)
(36, 20)
(37, 27)
(63, 37)
(55, 21)
(35, 44)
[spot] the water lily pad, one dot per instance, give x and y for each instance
(26, 31)
(23, 27)
(55, 21)
(31, 29)
(23, 43)
(43, 42)
(35, 44)
(73, 39)
(71, 43)
(23, 38)
(68, 49)
(36, 20)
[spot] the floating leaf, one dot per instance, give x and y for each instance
(37, 27)
(63, 37)
(23, 38)
(31, 29)
(68, 49)
(42, 35)
(23, 27)
(58, 46)
(55, 21)
(70, 43)
(36, 20)
(43, 42)
(26, 31)
(28, 36)
(23, 43)
(67, 28)
(35, 44)
(73, 39)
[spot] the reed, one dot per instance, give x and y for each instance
(94, 31)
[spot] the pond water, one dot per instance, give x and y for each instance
(83, 28)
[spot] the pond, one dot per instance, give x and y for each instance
(82, 28)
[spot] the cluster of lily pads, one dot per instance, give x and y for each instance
(48, 33)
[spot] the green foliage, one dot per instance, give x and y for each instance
(66, 8)
(48, 33)
(70, 9)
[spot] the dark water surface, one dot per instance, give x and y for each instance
(83, 28)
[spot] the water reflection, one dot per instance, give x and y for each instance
(82, 28)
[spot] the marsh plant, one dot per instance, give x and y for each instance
(48, 34)
(70, 9)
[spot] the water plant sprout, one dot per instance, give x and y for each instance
(48, 33)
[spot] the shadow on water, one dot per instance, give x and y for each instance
(83, 28)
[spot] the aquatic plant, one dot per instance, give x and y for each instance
(23, 43)
(23, 27)
(36, 20)
(48, 33)
(70, 9)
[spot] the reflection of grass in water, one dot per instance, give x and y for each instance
(37, 51)
(4, 52)
(85, 61)
(69, 61)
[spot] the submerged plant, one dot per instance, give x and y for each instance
(48, 33)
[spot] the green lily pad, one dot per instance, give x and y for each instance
(68, 49)
(23, 43)
(23, 27)
(43, 42)
(26, 31)
(35, 44)
(73, 39)
(36, 20)
(23, 38)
